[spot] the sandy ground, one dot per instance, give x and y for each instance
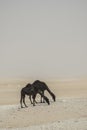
(69, 112)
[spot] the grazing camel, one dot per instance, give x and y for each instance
(31, 91)
(42, 87)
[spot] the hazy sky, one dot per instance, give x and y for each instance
(43, 38)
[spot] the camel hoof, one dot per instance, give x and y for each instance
(48, 103)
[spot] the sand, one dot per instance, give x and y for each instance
(69, 112)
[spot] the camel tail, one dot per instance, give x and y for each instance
(52, 94)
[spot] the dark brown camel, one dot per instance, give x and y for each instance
(39, 85)
(30, 90)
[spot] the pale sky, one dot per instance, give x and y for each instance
(43, 38)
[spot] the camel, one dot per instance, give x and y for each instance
(42, 87)
(30, 90)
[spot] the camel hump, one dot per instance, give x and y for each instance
(28, 85)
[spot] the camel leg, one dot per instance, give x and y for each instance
(41, 98)
(21, 101)
(24, 101)
(30, 99)
(34, 96)
(35, 101)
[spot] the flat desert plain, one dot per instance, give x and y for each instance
(69, 112)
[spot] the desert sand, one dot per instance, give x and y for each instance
(69, 112)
